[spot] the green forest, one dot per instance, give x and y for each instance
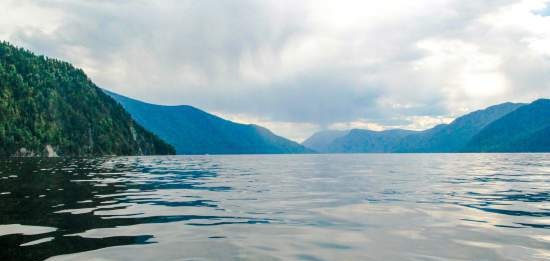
(49, 105)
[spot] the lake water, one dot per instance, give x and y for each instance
(277, 207)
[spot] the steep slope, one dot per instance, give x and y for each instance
(454, 136)
(48, 107)
(526, 129)
(320, 141)
(367, 141)
(193, 131)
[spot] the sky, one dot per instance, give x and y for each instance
(298, 67)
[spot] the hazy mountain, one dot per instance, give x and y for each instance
(48, 108)
(526, 129)
(193, 131)
(320, 140)
(357, 141)
(454, 136)
(451, 137)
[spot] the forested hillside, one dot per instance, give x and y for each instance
(49, 107)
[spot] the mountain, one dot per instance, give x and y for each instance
(321, 140)
(367, 141)
(526, 129)
(193, 131)
(454, 136)
(48, 108)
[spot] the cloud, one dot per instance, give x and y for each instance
(291, 130)
(299, 66)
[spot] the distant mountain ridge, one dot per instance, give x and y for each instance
(50, 108)
(358, 140)
(526, 129)
(454, 136)
(321, 140)
(507, 127)
(193, 131)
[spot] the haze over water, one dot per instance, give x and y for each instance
(277, 207)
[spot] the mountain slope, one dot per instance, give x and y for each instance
(454, 136)
(320, 141)
(526, 129)
(367, 141)
(451, 137)
(48, 107)
(193, 131)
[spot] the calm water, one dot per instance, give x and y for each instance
(295, 207)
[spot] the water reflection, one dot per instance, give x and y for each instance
(295, 207)
(73, 196)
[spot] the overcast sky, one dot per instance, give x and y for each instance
(301, 66)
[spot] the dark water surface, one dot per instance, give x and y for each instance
(288, 207)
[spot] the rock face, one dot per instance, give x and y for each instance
(49, 108)
(24, 152)
(193, 131)
(50, 152)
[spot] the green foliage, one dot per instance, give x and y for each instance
(45, 101)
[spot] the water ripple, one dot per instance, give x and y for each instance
(284, 207)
